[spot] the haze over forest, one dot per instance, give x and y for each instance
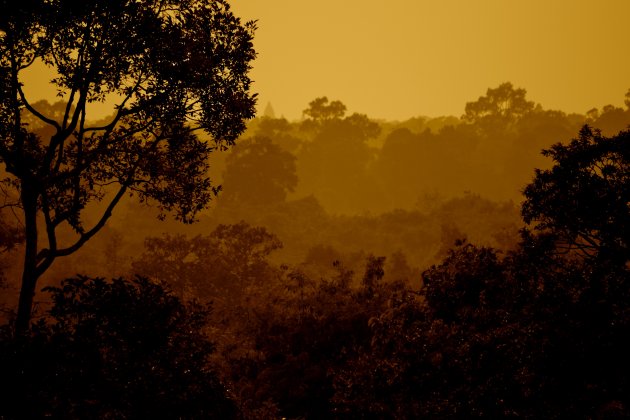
(420, 220)
(340, 183)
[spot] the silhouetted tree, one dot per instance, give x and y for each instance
(582, 201)
(611, 120)
(321, 110)
(218, 266)
(521, 335)
(258, 173)
(533, 333)
(113, 349)
(534, 132)
(304, 330)
(503, 103)
(174, 67)
(334, 165)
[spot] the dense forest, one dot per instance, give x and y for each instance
(345, 267)
(349, 267)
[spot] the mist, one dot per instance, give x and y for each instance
(173, 246)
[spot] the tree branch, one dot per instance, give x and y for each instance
(29, 63)
(121, 110)
(36, 112)
(66, 114)
(50, 231)
(90, 233)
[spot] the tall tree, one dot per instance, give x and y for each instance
(174, 67)
(334, 164)
(273, 169)
(501, 106)
(582, 202)
(320, 109)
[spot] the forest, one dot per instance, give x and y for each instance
(335, 266)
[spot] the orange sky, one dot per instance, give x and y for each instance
(404, 58)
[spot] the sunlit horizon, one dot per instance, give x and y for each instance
(429, 58)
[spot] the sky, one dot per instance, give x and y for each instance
(404, 58)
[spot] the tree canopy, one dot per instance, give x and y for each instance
(113, 349)
(501, 103)
(172, 68)
(260, 159)
(496, 326)
(320, 109)
(583, 200)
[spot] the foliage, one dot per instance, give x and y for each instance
(320, 109)
(219, 266)
(10, 235)
(521, 336)
(535, 333)
(334, 164)
(503, 103)
(174, 67)
(303, 330)
(113, 349)
(497, 329)
(583, 200)
(258, 159)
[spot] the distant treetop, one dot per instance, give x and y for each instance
(321, 110)
(503, 102)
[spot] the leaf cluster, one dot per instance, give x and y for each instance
(113, 349)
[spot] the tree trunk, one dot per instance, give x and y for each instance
(29, 273)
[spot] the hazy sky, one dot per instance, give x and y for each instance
(404, 58)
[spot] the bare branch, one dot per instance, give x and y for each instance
(87, 235)
(122, 111)
(68, 107)
(36, 112)
(30, 62)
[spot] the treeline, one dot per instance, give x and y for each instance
(354, 186)
(356, 269)
(537, 332)
(352, 164)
